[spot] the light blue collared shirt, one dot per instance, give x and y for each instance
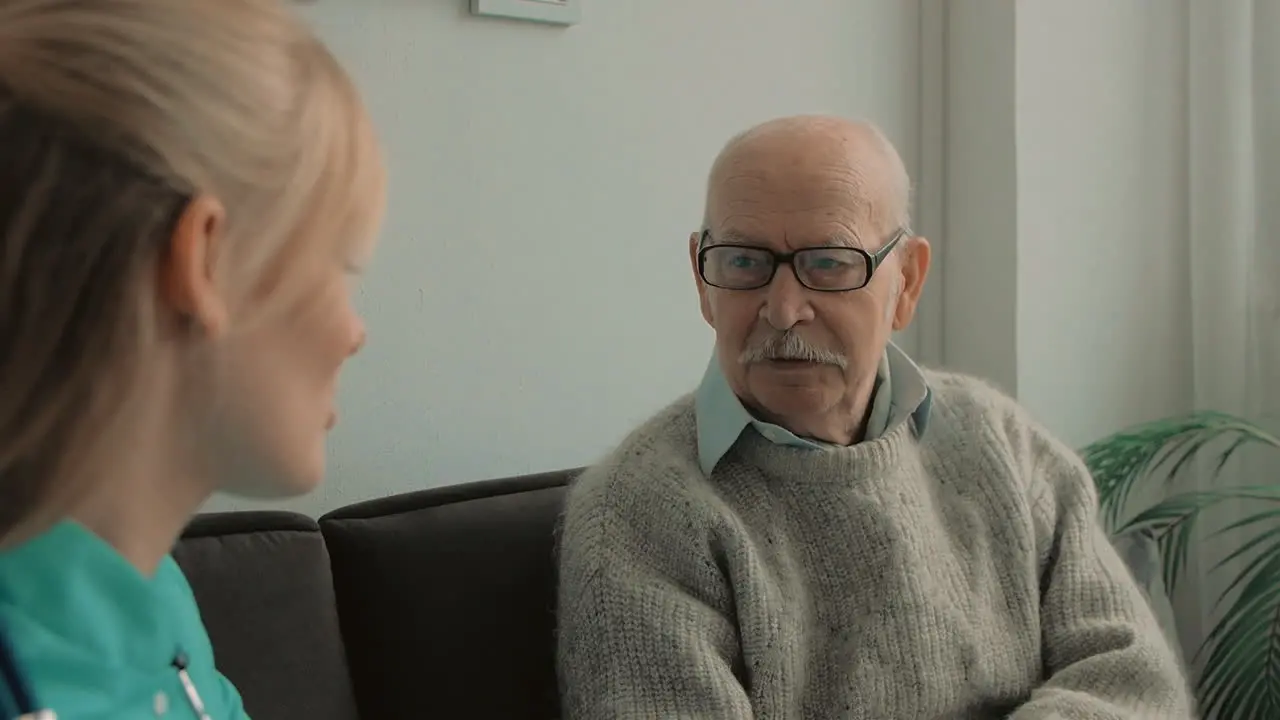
(901, 393)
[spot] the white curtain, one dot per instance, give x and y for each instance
(1233, 209)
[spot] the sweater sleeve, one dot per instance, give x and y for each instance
(644, 625)
(1104, 653)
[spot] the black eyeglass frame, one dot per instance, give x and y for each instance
(873, 260)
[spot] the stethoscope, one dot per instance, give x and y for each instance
(188, 685)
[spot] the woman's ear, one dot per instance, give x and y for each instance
(188, 268)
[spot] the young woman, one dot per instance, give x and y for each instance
(186, 188)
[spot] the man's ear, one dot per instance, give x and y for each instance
(694, 240)
(187, 267)
(915, 268)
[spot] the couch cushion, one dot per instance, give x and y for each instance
(266, 595)
(447, 598)
(1141, 553)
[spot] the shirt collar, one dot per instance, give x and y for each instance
(901, 393)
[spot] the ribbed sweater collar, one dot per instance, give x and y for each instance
(831, 464)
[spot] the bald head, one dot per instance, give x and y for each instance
(853, 160)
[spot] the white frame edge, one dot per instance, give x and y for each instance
(551, 12)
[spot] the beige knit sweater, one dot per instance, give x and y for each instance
(961, 574)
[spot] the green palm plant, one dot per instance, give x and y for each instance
(1240, 679)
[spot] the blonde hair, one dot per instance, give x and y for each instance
(113, 115)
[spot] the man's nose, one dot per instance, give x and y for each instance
(787, 301)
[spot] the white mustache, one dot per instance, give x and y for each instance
(790, 345)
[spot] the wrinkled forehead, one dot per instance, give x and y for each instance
(793, 201)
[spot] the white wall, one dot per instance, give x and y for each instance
(1066, 260)
(1065, 235)
(532, 298)
(532, 301)
(1103, 284)
(978, 240)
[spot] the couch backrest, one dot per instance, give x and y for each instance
(265, 591)
(447, 599)
(438, 603)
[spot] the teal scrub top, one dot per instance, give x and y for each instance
(97, 639)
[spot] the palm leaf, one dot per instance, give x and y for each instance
(1172, 522)
(1120, 462)
(1242, 671)
(1241, 675)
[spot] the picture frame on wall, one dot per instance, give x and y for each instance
(551, 12)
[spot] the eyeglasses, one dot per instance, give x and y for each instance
(832, 268)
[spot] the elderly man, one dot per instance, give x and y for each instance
(823, 529)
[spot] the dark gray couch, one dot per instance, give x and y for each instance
(432, 604)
